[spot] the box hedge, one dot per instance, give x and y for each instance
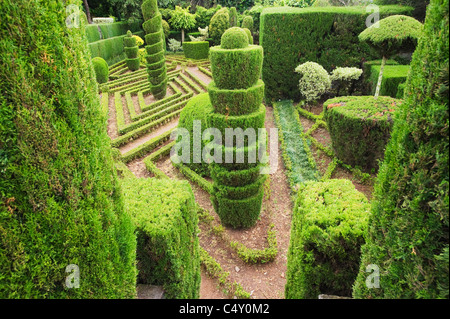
(196, 50)
(393, 76)
(411, 196)
(328, 226)
(325, 35)
(165, 216)
(360, 128)
(101, 70)
(61, 202)
(235, 178)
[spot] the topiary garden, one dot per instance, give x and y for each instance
(291, 150)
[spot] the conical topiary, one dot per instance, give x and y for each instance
(236, 94)
(131, 51)
(154, 38)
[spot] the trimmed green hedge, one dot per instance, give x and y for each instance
(196, 50)
(131, 51)
(236, 68)
(236, 102)
(411, 196)
(328, 226)
(393, 76)
(111, 30)
(325, 35)
(101, 70)
(165, 216)
(61, 202)
(219, 22)
(197, 108)
(234, 178)
(360, 127)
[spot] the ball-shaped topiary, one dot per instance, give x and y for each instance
(234, 38)
(249, 35)
(247, 23)
(101, 69)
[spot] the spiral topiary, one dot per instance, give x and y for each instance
(236, 94)
(154, 39)
(132, 52)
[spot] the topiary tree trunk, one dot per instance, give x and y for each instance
(61, 207)
(154, 38)
(408, 227)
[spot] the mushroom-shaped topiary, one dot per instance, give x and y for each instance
(234, 38)
(391, 35)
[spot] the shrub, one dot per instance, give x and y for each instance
(166, 28)
(197, 108)
(61, 202)
(234, 38)
(234, 178)
(182, 20)
(247, 23)
(391, 35)
(131, 50)
(325, 35)
(410, 200)
(155, 48)
(249, 35)
(196, 50)
(139, 40)
(220, 22)
(233, 17)
(237, 68)
(165, 216)
(236, 102)
(174, 45)
(101, 70)
(360, 128)
(328, 225)
(344, 78)
(314, 81)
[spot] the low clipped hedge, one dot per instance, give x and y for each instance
(328, 226)
(360, 128)
(197, 108)
(236, 102)
(166, 221)
(236, 68)
(325, 35)
(393, 76)
(196, 50)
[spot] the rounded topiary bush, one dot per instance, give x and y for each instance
(236, 68)
(314, 81)
(234, 38)
(197, 109)
(101, 69)
(220, 22)
(249, 35)
(360, 128)
(196, 50)
(247, 22)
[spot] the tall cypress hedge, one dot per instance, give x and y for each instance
(154, 38)
(325, 35)
(60, 201)
(408, 226)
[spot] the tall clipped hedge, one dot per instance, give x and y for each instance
(166, 220)
(236, 97)
(408, 226)
(154, 39)
(325, 35)
(60, 201)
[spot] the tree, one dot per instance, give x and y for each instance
(182, 20)
(88, 13)
(390, 36)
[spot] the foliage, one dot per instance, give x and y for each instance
(181, 19)
(292, 36)
(165, 217)
(247, 22)
(393, 76)
(328, 226)
(196, 50)
(139, 40)
(314, 81)
(132, 52)
(101, 70)
(220, 22)
(233, 17)
(344, 78)
(61, 202)
(234, 38)
(174, 45)
(166, 28)
(203, 16)
(203, 35)
(411, 192)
